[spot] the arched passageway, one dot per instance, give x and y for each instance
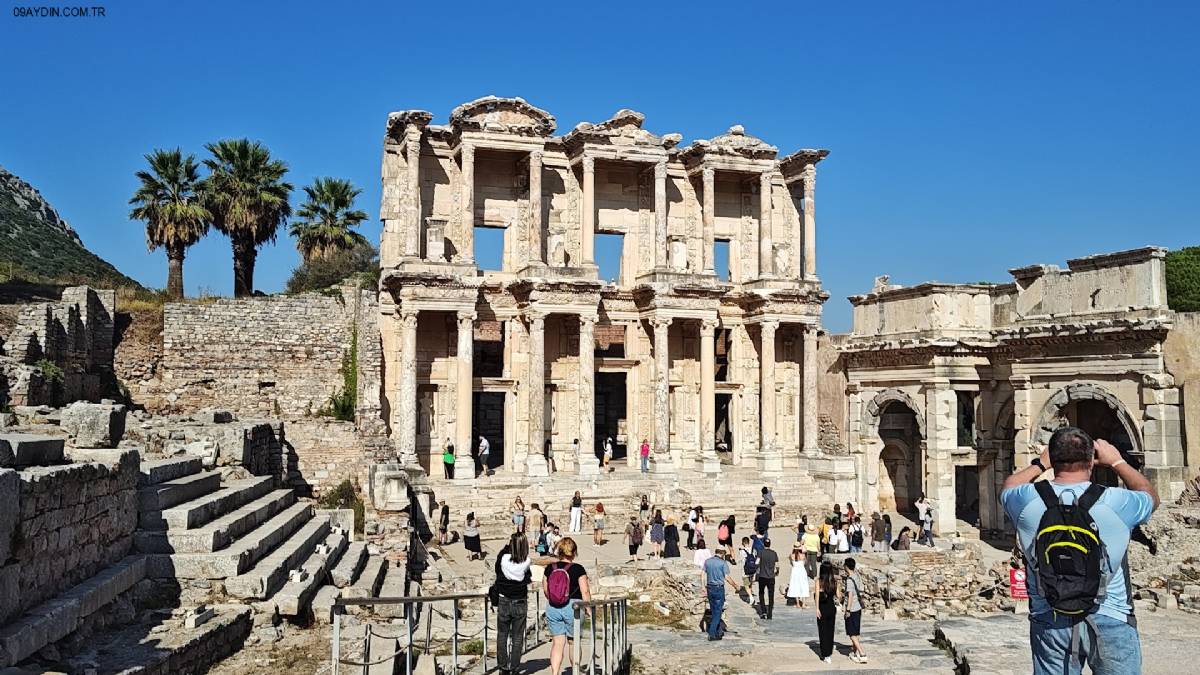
(899, 461)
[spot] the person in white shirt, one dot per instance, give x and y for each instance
(485, 452)
(839, 539)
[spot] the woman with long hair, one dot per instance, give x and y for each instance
(798, 591)
(670, 539)
(826, 609)
(560, 616)
(644, 511)
(598, 524)
(657, 533)
(518, 515)
(444, 525)
(512, 585)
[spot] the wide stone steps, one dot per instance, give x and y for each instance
(216, 534)
(157, 471)
(240, 556)
(267, 575)
(162, 496)
(296, 595)
(194, 513)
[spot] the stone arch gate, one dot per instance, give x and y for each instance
(871, 447)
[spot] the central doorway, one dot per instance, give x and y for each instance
(487, 420)
(611, 417)
(724, 428)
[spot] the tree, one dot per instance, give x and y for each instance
(361, 260)
(1183, 279)
(248, 199)
(326, 217)
(168, 201)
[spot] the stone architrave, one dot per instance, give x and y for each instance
(809, 397)
(709, 463)
(708, 176)
(772, 462)
(407, 432)
(766, 247)
(535, 459)
(464, 463)
(660, 214)
(663, 463)
(810, 222)
(587, 397)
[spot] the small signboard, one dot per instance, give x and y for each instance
(1016, 582)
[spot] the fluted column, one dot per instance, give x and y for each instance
(466, 250)
(809, 385)
(766, 247)
(708, 378)
(412, 233)
(535, 208)
(662, 396)
(536, 388)
(710, 219)
(772, 458)
(588, 235)
(464, 464)
(661, 258)
(407, 431)
(587, 397)
(810, 222)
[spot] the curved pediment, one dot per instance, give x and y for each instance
(623, 128)
(733, 142)
(502, 115)
(399, 121)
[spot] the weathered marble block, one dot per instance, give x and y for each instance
(94, 425)
(30, 450)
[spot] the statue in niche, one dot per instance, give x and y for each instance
(435, 239)
(557, 249)
(783, 260)
(678, 249)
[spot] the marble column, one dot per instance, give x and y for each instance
(536, 255)
(809, 398)
(407, 431)
(588, 235)
(772, 463)
(663, 463)
(535, 386)
(661, 258)
(766, 247)
(709, 213)
(464, 464)
(412, 233)
(466, 244)
(810, 222)
(587, 397)
(708, 404)
(941, 437)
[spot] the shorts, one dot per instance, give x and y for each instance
(853, 623)
(633, 549)
(561, 620)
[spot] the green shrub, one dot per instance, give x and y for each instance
(341, 405)
(344, 496)
(360, 262)
(1183, 279)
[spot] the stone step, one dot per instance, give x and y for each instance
(54, 619)
(157, 471)
(240, 556)
(194, 513)
(348, 568)
(216, 534)
(369, 580)
(322, 603)
(177, 491)
(295, 596)
(393, 587)
(269, 573)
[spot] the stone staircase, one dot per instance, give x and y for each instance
(267, 547)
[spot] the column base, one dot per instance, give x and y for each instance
(772, 464)
(464, 469)
(536, 466)
(588, 466)
(664, 465)
(708, 463)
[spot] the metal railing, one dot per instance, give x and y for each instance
(609, 621)
(420, 608)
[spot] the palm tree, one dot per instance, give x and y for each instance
(248, 199)
(169, 201)
(326, 218)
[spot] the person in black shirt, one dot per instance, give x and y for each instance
(768, 567)
(512, 585)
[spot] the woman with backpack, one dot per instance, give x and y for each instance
(511, 590)
(633, 537)
(657, 532)
(565, 581)
(826, 609)
(857, 537)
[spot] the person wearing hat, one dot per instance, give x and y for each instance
(811, 543)
(798, 591)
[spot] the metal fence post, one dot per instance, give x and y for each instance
(454, 639)
(486, 603)
(337, 638)
(408, 623)
(606, 619)
(578, 643)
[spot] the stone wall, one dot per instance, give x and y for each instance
(325, 453)
(75, 335)
(278, 356)
(255, 445)
(73, 520)
(831, 395)
(1181, 354)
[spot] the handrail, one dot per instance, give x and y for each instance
(358, 602)
(614, 615)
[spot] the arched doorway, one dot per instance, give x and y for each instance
(1098, 412)
(899, 461)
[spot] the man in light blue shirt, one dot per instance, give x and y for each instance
(1113, 647)
(716, 574)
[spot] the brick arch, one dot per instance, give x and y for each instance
(1050, 419)
(876, 406)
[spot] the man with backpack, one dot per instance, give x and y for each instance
(1075, 535)
(716, 573)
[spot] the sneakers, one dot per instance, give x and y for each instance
(858, 658)
(828, 659)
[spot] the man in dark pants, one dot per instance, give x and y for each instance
(768, 567)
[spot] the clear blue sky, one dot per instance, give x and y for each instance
(966, 138)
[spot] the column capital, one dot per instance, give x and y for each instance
(765, 178)
(589, 164)
(936, 384)
(660, 322)
(588, 319)
(535, 316)
(708, 326)
(660, 170)
(708, 174)
(412, 135)
(536, 156)
(407, 317)
(810, 177)
(769, 325)
(467, 315)
(468, 152)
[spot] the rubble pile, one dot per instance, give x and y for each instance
(1170, 576)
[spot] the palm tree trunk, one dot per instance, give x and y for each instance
(175, 256)
(244, 254)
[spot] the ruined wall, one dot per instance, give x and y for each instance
(278, 356)
(831, 395)
(71, 521)
(325, 452)
(1181, 355)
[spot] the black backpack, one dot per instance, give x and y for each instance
(1070, 563)
(856, 537)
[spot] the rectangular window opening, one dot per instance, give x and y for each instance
(489, 248)
(610, 252)
(721, 259)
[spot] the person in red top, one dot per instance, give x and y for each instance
(645, 453)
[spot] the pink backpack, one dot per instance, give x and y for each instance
(558, 585)
(723, 532)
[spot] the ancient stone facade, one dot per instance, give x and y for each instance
(952, 386)
(542, 352)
